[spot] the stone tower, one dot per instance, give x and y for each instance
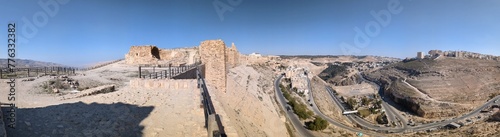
(213, 54)
(232, 56)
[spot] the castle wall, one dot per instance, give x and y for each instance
(213, 54)
(150, 55)
(218, 59)
(163, 83)
(142, 55)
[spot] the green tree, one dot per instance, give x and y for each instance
(287, 96)
(317, 124)
(282, 88)
(365, 101)
(382, 119)
(300, 109)
(351, 102)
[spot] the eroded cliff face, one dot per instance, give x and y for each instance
(439, 88)
(421, 105)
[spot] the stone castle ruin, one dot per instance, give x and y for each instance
(217, 57)
(218, 60)
(152, 55)
(142, 55)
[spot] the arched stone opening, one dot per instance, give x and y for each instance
(155, 52)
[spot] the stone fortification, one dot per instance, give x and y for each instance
(152, 55)
(217, 57)
(213, 54)
(163, 84)
(143, 55)
(232, 56)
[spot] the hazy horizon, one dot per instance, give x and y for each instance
(76, 32)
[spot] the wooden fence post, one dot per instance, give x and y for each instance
(140, 72)
(170, 69)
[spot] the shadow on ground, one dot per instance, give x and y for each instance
(80, 119)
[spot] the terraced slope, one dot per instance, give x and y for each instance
(437, 88)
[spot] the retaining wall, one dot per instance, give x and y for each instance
(163, 83)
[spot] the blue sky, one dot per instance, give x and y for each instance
(82, 32)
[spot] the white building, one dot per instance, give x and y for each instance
(255, 55)
(420, 55)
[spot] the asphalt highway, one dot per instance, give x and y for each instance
(297, 124)
(363, 123)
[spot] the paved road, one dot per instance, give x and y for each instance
(446, 122)
(392, 114)
(297, 124)
(330, 120)
(388, 111)
(365, 124)
(427, 126)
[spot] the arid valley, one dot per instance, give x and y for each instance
(212, 89)
(249, 68)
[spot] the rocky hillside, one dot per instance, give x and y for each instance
(338, 75)
(341, 58)
(440, 88)
(24, 63)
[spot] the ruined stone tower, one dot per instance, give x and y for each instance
(142, 55)
(213, 54)
(232, 56)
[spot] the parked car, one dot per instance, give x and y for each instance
(288, 108)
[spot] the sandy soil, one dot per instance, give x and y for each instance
(355, 90)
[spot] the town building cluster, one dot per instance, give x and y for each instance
(298, 76)
(435, 54)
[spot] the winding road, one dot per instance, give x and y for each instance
(363, 123)
(297, 124)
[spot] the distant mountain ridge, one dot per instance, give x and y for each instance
(25, 63)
